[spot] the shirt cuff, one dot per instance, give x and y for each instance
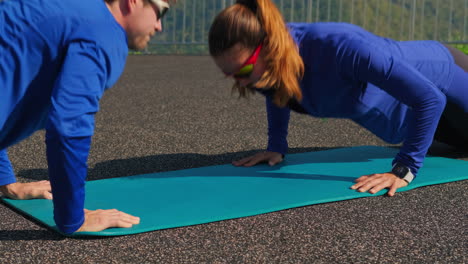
(7, 176)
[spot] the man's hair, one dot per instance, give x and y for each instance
(249, 23)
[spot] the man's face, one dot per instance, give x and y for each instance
(143, 23)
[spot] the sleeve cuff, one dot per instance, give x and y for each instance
(70, 229)
(7, 176)
(277, 148)
(8, 179)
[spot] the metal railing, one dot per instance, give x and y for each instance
(187, 24)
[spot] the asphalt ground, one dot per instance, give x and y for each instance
(174, 112)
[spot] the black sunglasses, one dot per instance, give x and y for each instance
(162, 8)
(162, 13)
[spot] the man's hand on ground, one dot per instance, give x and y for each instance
(26, 191)
(99, 220)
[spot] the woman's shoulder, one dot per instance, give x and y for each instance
(330, 34)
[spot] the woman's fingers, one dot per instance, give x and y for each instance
(393, 189)
(376, 182)
(372, 181)
(260, 157)
(275, 159)
(241, 162)
(272, 158)
(362, 178)
(382, 184)
(360, 181)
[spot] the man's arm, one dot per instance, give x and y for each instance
(7, 176)
(75, 101)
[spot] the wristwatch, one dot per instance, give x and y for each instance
(403, 172)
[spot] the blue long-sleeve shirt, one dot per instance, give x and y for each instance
(57, 57)
(393, 89)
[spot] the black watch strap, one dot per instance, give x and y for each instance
(403, 172)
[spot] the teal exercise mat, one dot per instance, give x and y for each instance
(208, 194)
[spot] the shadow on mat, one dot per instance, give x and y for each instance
(156, 163)
(170, 162)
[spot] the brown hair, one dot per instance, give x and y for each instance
(146, 1)
(250, 22)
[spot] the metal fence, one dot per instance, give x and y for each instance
(187, 24)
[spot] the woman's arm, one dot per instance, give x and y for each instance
(278, 119)
(278, 122)
(364, 62)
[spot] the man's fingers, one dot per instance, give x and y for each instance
(29, 190)
(123, 224)
(121, 219)
(47, 195)
(47, 186)
(129, 218)
(127, 222)
(99, 220)
(45, 190)
(38, 190)
(134, 220)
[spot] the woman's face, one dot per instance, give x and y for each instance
(232, 60)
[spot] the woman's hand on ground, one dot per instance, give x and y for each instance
(375, 182)
(272, 158)
(29, 190)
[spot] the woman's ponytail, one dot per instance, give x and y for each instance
(250, 22)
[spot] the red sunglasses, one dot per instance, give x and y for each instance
(248, 67)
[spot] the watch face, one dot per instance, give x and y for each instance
(400, 171)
